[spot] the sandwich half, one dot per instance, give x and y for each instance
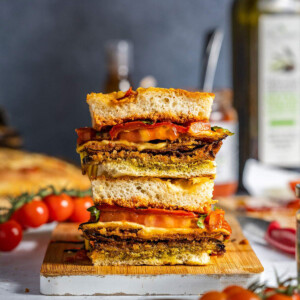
(123, 236)
(151, 132)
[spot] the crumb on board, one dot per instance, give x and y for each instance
(27, 290)
(244, 242)
(233, 240)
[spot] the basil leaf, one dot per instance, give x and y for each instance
(200, 222)
(226, 131)
(147, 122)
(95, 213)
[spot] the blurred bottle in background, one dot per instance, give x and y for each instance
(119, 56)
(266, 80)
(224, 115)
(9, 137)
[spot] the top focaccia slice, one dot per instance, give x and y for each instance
(155, 104)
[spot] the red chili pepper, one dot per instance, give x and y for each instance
(283, 239)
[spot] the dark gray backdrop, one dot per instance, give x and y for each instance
(51, 56)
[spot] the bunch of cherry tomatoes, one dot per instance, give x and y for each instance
(235, 292)
(51, 208)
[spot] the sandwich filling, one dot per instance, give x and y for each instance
(121, 236)
(116, 252)
(146, 131)
(154, 224)
(157, 150)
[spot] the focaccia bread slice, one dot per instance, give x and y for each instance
(22, 171)
(175, 105)
(135, 192)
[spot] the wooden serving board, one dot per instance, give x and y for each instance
(59, 277)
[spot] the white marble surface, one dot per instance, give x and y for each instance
(20, 269)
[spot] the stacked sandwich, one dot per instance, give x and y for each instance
(150, 158)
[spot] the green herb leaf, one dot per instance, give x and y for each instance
(147, 122)
(216, 207)
(226, 131)
(95, 213)
(200, 222)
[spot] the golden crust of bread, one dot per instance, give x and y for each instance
(128, 230)
(112, 98)
(98, 121)
(28, 172)
(139, 202)
(107, 110)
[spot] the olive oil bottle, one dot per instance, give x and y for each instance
(266, 80)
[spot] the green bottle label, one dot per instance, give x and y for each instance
(279, 90)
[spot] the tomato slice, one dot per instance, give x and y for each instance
(195, 128)
(154, 217)
(85, 134)
(138, 125)
(215, 219)
(148, 217)
(141, 132)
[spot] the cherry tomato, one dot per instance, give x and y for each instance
(214, 296)
(280, 297)
(60, 207)
(233, 289)
(243, 295)
(80, 213)
(16, 216)
(10, 235)
(296, 297)
(34, 214)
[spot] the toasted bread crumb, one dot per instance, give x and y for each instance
(244, 242)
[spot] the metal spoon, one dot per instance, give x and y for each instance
(212, 54)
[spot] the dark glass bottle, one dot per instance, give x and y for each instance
(266, 80)
(119, 65)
